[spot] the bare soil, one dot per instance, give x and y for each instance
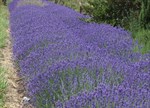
(15, 89)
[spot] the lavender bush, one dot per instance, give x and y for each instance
(105, 96)
(68, 63)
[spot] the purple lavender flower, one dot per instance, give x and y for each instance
(68, 63)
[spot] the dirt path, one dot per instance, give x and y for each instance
(13, 98)
(15, 90)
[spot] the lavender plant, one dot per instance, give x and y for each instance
(68, 63)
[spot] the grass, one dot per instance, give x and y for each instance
(3, 85)
(143, 38)
(4, 24)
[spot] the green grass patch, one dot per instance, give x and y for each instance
(3, 85)
(4, 25)
(143, 38)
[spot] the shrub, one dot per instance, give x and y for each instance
(62, 57)
(113, 12)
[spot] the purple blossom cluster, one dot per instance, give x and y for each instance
(104, 96)
(68, 63)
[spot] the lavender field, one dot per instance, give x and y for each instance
(68, 63)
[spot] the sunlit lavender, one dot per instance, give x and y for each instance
(68, 63)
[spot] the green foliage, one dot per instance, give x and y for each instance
(31, 2)
(140, 32)
(74, 4)
(3, 25)
(143, 38)
(99, 9)
(134, 24)
(3, 35)
(144, 16)
(115, 12)
(3, 85)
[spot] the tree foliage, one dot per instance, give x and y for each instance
(115, 12)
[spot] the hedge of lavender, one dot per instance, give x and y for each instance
(68, 63)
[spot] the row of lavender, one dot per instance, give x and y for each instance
(72, 64)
